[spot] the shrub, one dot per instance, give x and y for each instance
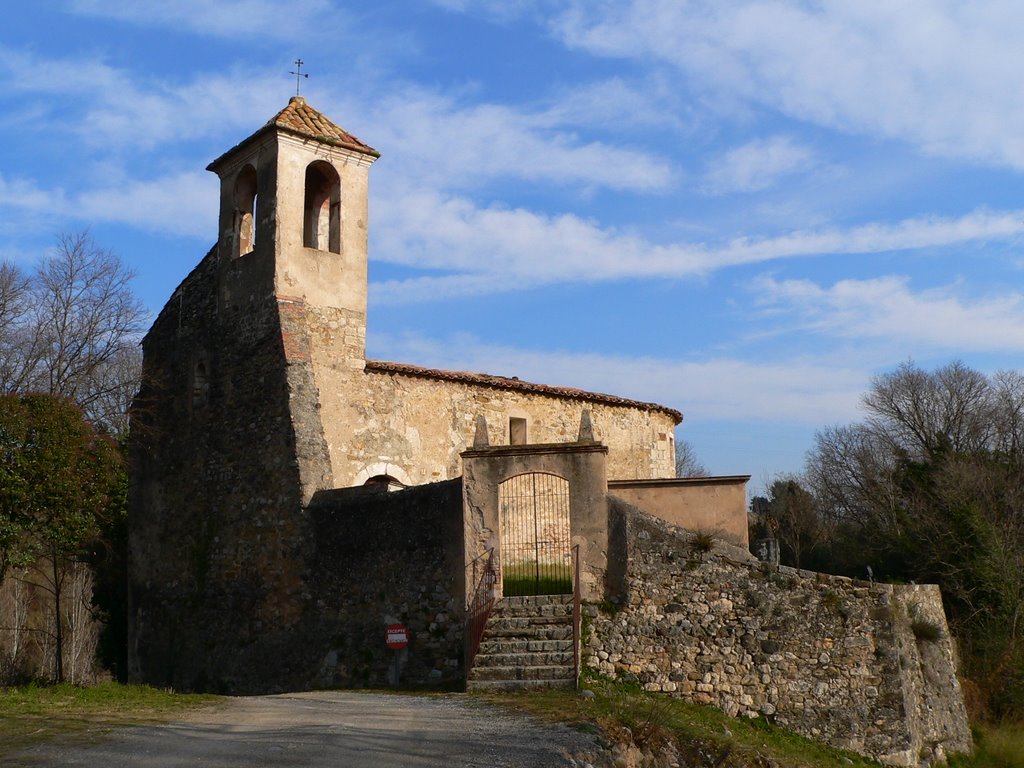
(702, 542)
(927, 631)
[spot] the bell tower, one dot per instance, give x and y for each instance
(293, 201)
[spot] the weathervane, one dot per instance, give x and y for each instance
(299, 74)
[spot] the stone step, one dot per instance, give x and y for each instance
(514, 607)
(511, 645)
(527, 643)
(552, 672)
(535, 600)
(514, 623)
(542, 659)
(526, 621)
(540, 632)
(518, 685)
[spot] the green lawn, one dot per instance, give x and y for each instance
(529, 579)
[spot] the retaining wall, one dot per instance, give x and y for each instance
(831, 658)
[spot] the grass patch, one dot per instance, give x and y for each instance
(704, 735)
(529, 579)
(708, 737)
(34, 713)
(995, 746)
(703, 541)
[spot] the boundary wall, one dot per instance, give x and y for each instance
(866, 667)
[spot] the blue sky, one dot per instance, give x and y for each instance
(744, 210)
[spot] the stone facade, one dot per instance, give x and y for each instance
(214, 486)
(369, 559)
(257, 397)
(867, 667)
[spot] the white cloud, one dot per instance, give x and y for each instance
(26, 194)
(886, 308)
(617, 105)
(499, 249)
(937, 74)
(276, 19)
(797, 391)
(502, 11)
(426, 136)
(181, 204)
(114, 110)
(757, 165)
(439, 140)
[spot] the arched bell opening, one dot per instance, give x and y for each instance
(322, 219)
(245, 211)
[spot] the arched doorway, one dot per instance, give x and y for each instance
(536, 543)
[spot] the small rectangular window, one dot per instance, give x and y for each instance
(516, 431)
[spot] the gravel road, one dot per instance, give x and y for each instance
(328, 728)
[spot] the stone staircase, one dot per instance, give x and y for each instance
(527, 643)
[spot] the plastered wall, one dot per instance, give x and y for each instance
(716, 504)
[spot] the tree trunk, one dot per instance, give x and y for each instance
(58, 633)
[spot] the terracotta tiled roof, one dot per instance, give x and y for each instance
(300, 119)
(503, 382)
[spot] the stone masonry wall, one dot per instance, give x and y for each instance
(384, 558)
(437, 420)
(831, 658)
(217, 529)
(237, 584)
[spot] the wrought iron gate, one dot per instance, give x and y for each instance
(536, 556)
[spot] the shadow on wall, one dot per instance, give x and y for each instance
(383, 558)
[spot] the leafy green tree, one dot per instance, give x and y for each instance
(789, 514)
(60, 485)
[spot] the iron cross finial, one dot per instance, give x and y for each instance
(299, 74)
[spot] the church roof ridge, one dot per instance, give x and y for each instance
(515, 384)
(300, 119)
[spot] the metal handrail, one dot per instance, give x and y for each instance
(576, 614)
(480, 606)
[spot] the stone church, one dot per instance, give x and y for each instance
(291, 499)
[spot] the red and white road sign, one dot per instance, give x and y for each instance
(397, 636)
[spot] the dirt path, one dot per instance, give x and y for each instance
(337, 729)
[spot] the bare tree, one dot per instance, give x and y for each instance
(1008, 408)
(72, 329)
(922, 412)
(15, 288)
(687, 463)
(853, 475)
